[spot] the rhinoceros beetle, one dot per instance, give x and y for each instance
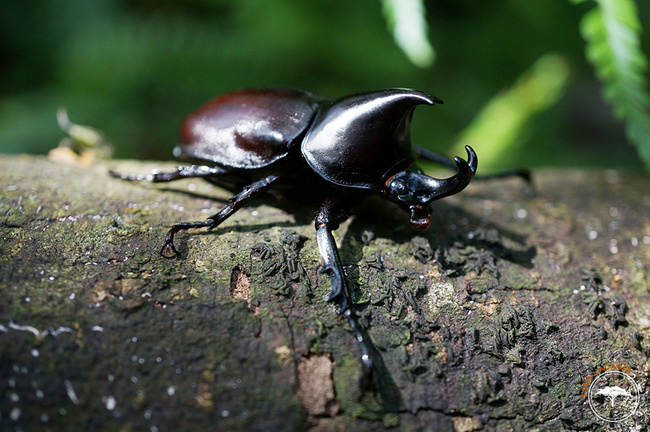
(250, 141)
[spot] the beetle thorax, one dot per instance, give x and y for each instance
(360, 140)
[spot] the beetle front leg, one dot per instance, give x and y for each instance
(328, 219)
(191, 171)
(169, 250)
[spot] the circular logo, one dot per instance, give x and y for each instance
(614, 396)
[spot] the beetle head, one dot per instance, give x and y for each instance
(415, 191)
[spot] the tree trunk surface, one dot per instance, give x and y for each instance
(498, 318)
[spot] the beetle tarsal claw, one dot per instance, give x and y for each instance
(169, 250)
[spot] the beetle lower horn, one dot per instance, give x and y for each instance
(456, 183)
(415, 190)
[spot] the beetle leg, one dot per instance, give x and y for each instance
(180, 173)
(328, 219)
(168, 250)
(428, 155)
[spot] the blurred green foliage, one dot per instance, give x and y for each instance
(612, 30)
(134, 68)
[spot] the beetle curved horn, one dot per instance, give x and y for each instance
(440, 188)
(456, 183)
(415, 190)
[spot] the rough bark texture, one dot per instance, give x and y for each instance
(491, 320)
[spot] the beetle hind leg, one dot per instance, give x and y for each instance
(430, 156)
(191, 171)
(521, 173)
(169, 250)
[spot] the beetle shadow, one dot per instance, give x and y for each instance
(451, 229)
(385, 220)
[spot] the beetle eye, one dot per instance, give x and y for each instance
(400, 191)
(398, 187)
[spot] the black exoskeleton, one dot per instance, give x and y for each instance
(337, 151)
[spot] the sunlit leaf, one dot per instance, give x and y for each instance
(407, 22)
(497, 128)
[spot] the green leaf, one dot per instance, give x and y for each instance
(497, 128)
(408, 24)
(612, 32)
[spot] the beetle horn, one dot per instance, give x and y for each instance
(456, 183)
(416, 190)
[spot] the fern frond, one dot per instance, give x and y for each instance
(611, 30)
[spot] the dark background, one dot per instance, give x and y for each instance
(135, 68)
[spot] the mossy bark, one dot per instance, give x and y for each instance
(491, 320)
